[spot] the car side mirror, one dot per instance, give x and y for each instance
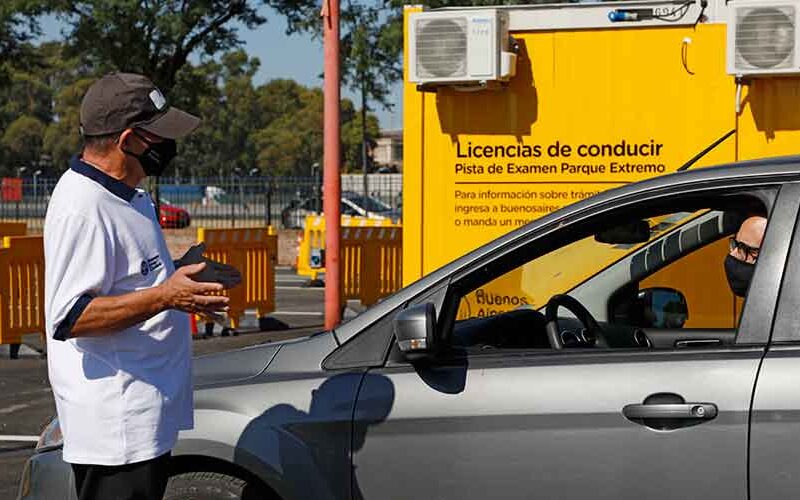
(663, 307)
(415, 329)
(652, 308)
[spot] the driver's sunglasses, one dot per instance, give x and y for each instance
(743, 249)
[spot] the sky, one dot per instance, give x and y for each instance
(298, 57)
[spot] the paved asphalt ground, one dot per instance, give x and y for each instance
(26, 402)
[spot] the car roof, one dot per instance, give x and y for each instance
(770, 170)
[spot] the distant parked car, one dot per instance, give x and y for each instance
(353, 204)
(172, 217)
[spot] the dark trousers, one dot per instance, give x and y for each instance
(139, 481)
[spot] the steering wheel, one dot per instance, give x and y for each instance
(584, 316)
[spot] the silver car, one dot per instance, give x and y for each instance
(629, 371)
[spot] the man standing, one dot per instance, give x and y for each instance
(119, 349)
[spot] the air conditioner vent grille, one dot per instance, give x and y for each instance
(441, 47)
(765, 37)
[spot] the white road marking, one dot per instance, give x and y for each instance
(297, 313)
(27, 439)
(13, 408)
(299, 288)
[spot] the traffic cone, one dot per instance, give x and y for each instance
(193, 322)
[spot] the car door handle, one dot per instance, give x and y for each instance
(694, 411)
(670, 416)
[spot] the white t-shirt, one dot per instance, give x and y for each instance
(121, 397)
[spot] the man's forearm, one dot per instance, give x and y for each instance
(105, 315)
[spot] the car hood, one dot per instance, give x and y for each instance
(233, 366)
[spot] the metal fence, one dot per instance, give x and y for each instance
(223, 202)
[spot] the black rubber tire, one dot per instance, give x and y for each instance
(205, 486)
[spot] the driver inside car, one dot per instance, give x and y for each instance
(744, 248)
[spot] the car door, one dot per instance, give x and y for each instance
(775, 431)
(539, 423)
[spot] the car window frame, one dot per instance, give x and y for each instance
(758, 310)
(785, 330)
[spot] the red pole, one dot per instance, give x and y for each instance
(332, 182)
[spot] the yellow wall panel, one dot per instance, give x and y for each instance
(587, 111)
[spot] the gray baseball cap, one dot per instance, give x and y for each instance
(119, 101)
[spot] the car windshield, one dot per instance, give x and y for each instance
(369, 203)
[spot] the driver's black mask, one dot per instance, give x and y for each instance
(739, 275)
(157, 156)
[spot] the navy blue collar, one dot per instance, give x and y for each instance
(115, 186)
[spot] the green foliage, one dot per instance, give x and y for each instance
(23, 138)
(275, 127)
(18, 25)
(62, 139)
(292, 141)
(351, 141)
(155, 37)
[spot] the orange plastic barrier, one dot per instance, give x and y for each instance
(254, 252)
(371, 256)
(13, 229)
(21, 288)
(371, 262)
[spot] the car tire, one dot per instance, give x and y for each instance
(210, 486)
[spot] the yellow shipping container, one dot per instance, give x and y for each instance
(594, 104)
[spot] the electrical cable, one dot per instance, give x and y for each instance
(703, 5)
(683, 9)
(685, 54)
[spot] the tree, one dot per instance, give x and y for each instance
(353, 134)
(374, 65)
(372, 49)
(23, 138)
(18, 25)
(25, 94)
(156, 37)
(61, 138)
(279, 97)
(226, 99)
(292, 141)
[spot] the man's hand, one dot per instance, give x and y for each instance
(182, 292)
(108, 315)
(216, 272)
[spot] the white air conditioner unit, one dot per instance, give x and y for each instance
(468, 47)
(763, 38)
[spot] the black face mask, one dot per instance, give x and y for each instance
(739, 275)
(157, 156)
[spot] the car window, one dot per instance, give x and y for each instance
(369, 204)
(533, 283)
(673, 281)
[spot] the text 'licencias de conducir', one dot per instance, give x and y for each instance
(623, 149)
